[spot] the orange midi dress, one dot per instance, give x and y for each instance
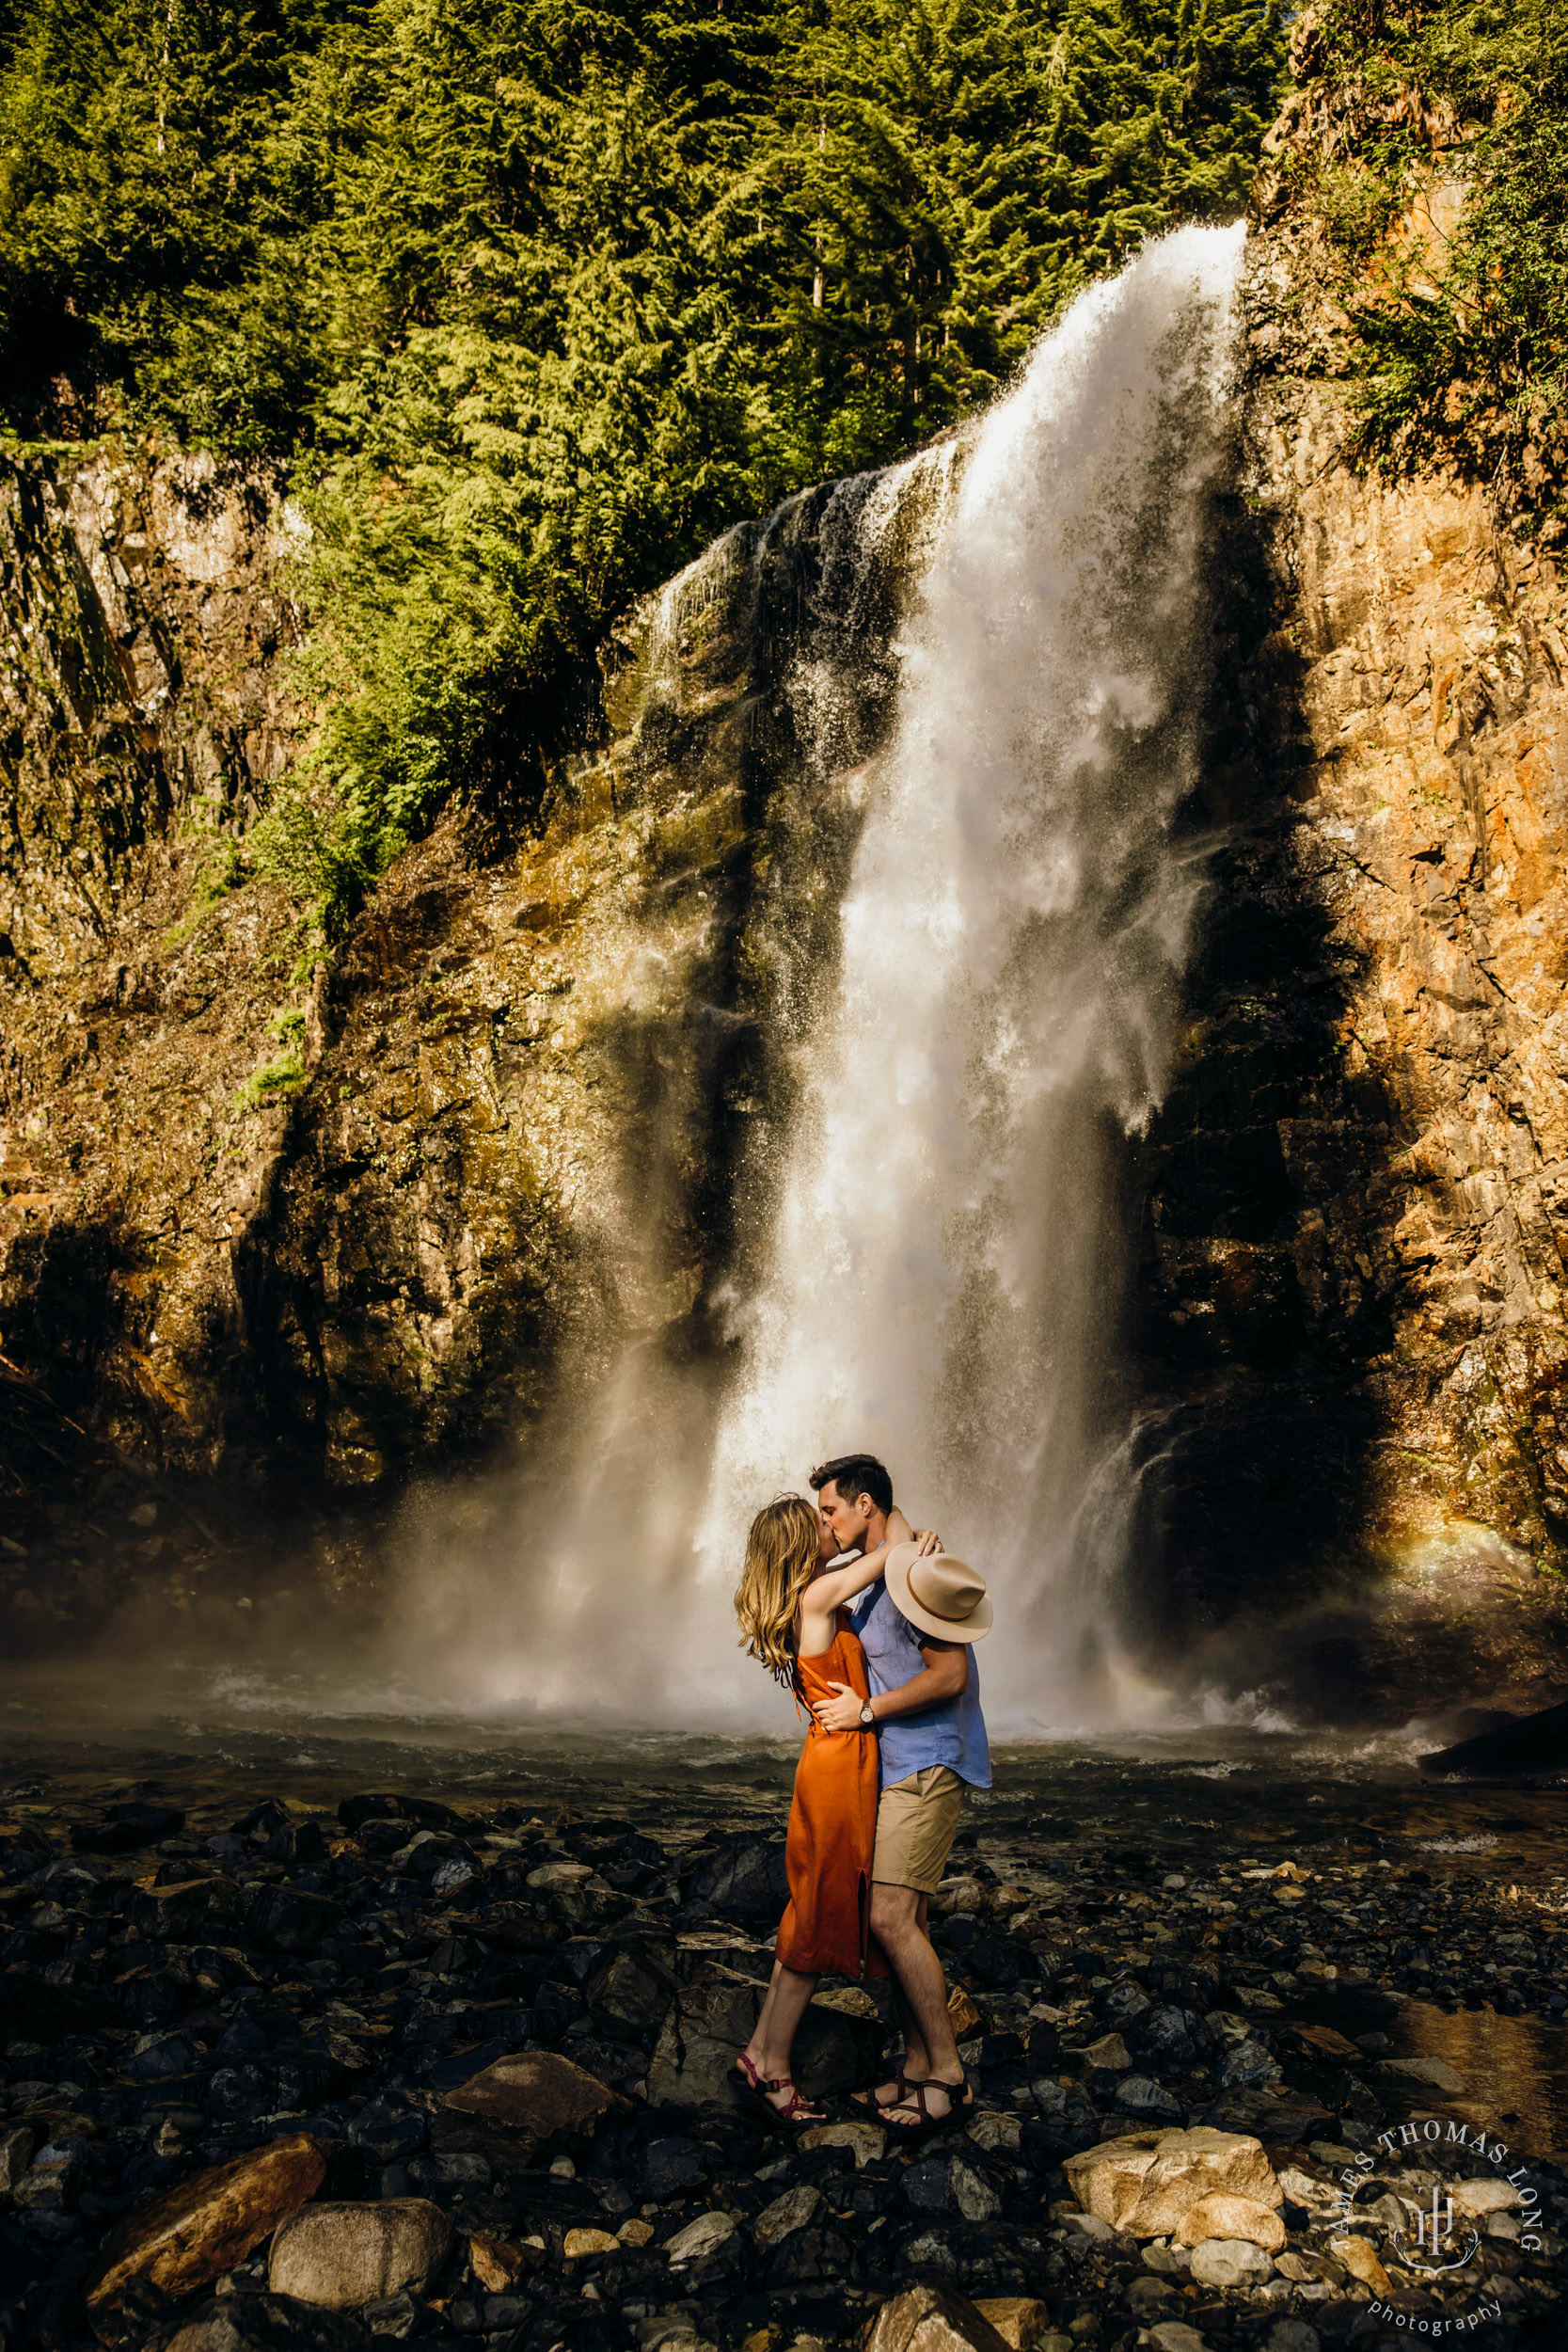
(833, 1831)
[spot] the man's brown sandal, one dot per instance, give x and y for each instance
(927, 2123)
(881, 2106)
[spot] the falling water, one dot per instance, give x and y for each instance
(948, 1251)
(948, 1255)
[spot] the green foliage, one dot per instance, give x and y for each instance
(1463, 346)
(274, 1082)
(536, 296)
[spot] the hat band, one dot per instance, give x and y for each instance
(941, 1606)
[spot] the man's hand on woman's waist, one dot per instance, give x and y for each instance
(946, 1676)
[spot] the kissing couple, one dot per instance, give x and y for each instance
(871, 1626)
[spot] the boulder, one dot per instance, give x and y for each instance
(745, 1878)
(1233, 2217)
(629, 1992)
(544, 2099)
(930, 2319)
(188, 1912)
(1536, 1746)
(1109, 2050)
(1020, 2320)
(197, 2232)
(266, 2323)
(347, 2255)
(285, 1919)
(1146, 2182)
(834, 2049)
(126, 1827)
(1230, 2261)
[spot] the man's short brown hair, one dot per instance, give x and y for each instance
(854, 1474)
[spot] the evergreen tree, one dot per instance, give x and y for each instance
(535, 295)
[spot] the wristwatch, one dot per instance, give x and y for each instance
(868, 1721)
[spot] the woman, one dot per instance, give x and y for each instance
(788, 1602)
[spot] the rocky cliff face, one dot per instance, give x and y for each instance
(1356, 1205)
(282, 1243)
(286, 1244)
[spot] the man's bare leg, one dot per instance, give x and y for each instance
(899, 1915)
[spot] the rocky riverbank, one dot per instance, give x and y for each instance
(441, 2065)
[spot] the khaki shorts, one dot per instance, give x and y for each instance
(917, 1823)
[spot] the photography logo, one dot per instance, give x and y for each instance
(1438, 2243)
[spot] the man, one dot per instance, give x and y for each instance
(917, 1628)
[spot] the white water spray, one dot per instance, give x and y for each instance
(949, 1252)
(948, 1259)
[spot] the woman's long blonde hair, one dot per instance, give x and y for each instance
(780, 1558)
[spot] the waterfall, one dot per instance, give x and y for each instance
(948, 1258)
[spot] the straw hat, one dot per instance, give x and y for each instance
(944, 1596)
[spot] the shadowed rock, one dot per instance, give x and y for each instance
(267, 2323)
(1537, 1748)
(545, 2099)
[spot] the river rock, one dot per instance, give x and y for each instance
(629, 1992)
(542, 2097)
(1435, 2073)
(346, 2255)
(288, 1918)
(190, 1911)
(1171, 2335)
(1227, 2217)
(1477, 2197)
(931, 2319)
(16, 2152)
(864, 2142)
(1246, 2065)
(1020, 2320)
(1359, 2259)
(745, 1879)
(248, 2322)
(1230, 2261)
(203, 2227)
(1146, 2182)
(581, 2242)
(700, 2237)
(792, 2211)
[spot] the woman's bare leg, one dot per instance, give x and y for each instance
(783, 2006)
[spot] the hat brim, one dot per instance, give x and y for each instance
(966, 1630)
